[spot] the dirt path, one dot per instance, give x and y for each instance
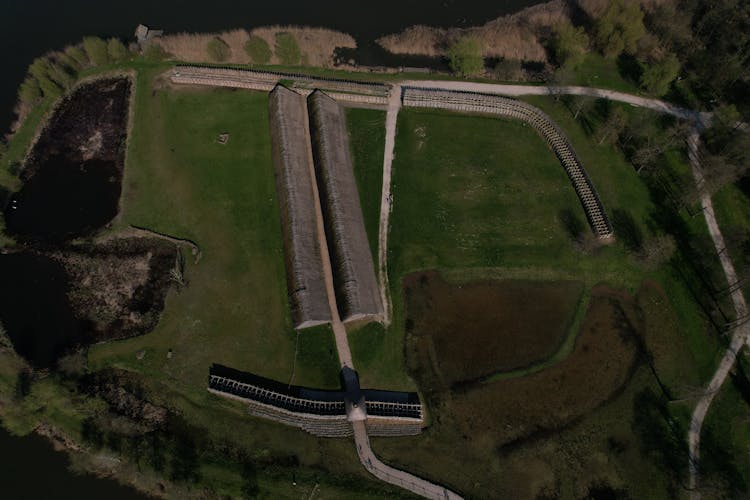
(740, 335)
(394, 104)
(517, 90)
(395, 476)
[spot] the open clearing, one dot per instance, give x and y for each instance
(472, 330)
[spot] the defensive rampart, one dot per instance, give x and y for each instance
(493, 104)
(318, 412)
(351, 91)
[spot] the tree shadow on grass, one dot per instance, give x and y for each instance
(627, 229)
(571, 223)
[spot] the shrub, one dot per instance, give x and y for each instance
(78, 55)
(657, 77)
(619, 28)
(465, 56)
(60, 76)
(116, 50)
(40, 68)
(68, 62)
(287, 49)
(96, 50)
(569, 45)
(29, 92)
(258, 50)
(49, 88)
(218, 50)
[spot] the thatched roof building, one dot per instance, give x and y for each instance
(357, 293)
(294, 184)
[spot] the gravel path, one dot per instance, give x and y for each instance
(395, 476)
(740, 334)
(394, 104)
(518, 90)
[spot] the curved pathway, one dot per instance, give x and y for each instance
(741, 333)
(518, 90)
(395, 476)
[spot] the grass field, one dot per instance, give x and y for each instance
(477, 198)
(367, 142)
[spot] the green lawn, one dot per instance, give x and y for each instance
(483, 197)
(367, 143)
(180, 181)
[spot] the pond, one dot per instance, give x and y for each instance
(72, 179)
(23, 458)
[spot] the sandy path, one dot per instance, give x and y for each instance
(740, 335)
(395, 476)
(518, 90)
(394, 104)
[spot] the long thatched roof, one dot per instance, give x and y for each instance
(294, 183)
(357, 293)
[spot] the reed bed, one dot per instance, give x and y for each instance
(515, 36)
(317, 44)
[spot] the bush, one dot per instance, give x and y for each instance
(465, 57)
(619, 28)
(218, 50)
(569, 45)
(40, 68)
(60, 76)
(116, 50)
(29, 92)
(50, 89)
(656, 77)
(258, 50)
(287, 49)
(96, 50)
(78, 55)
(68, 62)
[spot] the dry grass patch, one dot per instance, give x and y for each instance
(475, 329)
(513, 36)
(317, 44)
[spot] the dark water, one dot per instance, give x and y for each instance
(76, 193)
(31, 469)
(34, 308)
(29, 28)
(68, 193)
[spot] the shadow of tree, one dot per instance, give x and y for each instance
(627, 229)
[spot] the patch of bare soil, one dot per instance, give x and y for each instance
(473, 330)
(119, 286)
